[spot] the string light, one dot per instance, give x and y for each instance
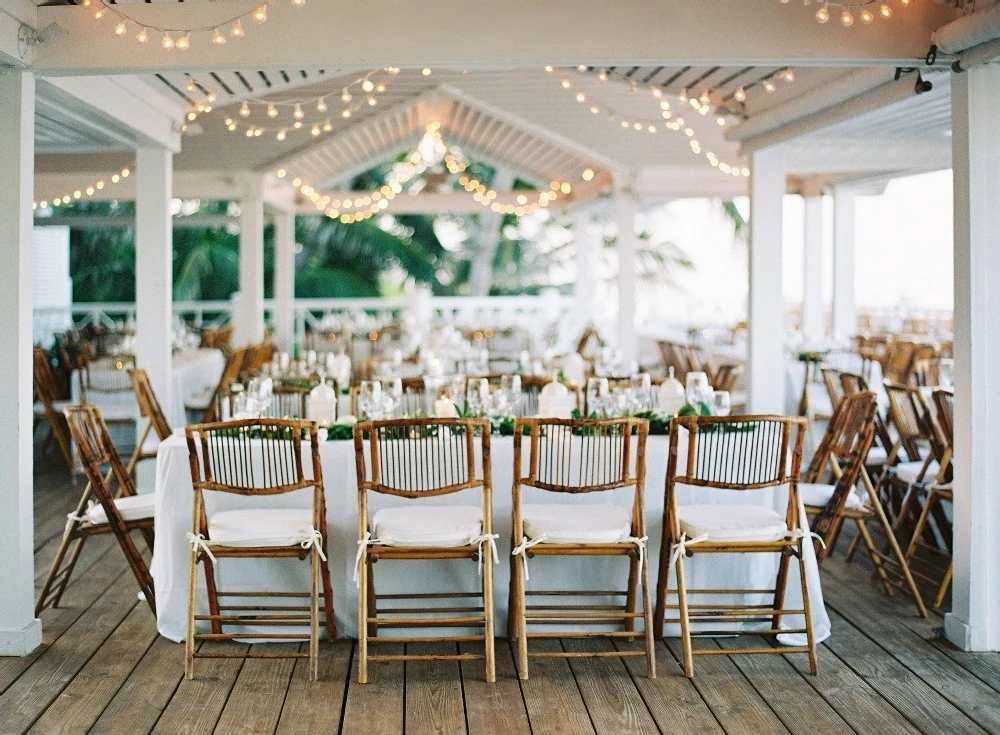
(668, 121)
(183, 35)
(85, 191)
(848, 8)
(429, 152)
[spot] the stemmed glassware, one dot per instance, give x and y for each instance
(720, 403)
(476, 395)
(698, 391)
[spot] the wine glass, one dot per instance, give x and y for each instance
(369, 396)
(640, 392)
(477, 393)
(720, 403)
(597, 393)
(697, 390)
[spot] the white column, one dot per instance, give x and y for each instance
(626, 244)
(813, 318)
(20, 630)
(974, 620)
(586, 240)
(284, 280)
(154, 267)
(845, 312)
(766, 307)
(250, 316)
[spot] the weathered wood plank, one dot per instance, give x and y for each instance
(497, 707)
(83, 700)
(612, 700)
(673, 701)
(552, 697)
(735, 703)
(314, 707)
(376, 707)
(255, 701)
(197, 704)
(434, 692)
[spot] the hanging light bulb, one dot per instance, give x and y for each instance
(704, 99)
(121, 29)
(367, 85)
(740, 95)
(260, 14)
(190, 86)
(768, 85)
(315, 130)
(565, 83)
(211, 98)
(321, 105)
(327, 126)
(218, 37)
(822, 14)
(380, 88)
(866, 16)
(372, 101)
(237, 30)
(142, 36)
(167, 43)
(99, 13)
(789, 75)
(345, 114)
(244, 109)
(846, 19)
(581, 97)
(683, 96)
(602, 75)
(272, 111)
(345, 96)
(183, 43)
(298, 3)
(298, 114)
(426, 72)
(885, 11)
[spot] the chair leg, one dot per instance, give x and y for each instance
(54, 572)
(192, 602)
(918, 530)
(488, 632)
(331, 621)
(898, 554)
(647, 621)
(372, 599)
(876, 559)
(942, 590)
(781, 584)
(363, 619)
(631, 592)
(853, 547)
(314, 617)
(213, 594)
(659, 613)
(807, 610)
(685, 623)
(519, 612)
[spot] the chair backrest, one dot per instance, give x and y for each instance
(288, 401)
(727, 375)
(581, 455)
(108, 378)
(844, 445)
(149, 406)
(97, 451)
(736, 452)
(46, 386)
(590, 343)
(944, 404)
(414, 458)
(912, 420)
(834, 387)
(230, 373)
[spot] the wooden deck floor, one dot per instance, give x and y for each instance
(103, 669)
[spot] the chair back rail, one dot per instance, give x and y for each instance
(149, 406)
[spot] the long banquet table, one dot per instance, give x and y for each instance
(170, 563)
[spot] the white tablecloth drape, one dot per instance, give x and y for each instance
(192, 372)
(173, 521)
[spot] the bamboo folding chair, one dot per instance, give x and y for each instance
(418, 459)
(743, 454)
(258, 458)
(878, 452)
(120, 516)
(49, 406)
(937, 492)
(576, 457)
(208, 406)
(150, 410)
(288, 402)
(841, 452)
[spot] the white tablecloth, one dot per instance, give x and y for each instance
(192, 372)
(173, 521)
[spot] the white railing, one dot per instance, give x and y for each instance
(310, 314)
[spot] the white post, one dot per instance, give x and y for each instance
(250, 315)
(20, 630)
(154, 268)
(766, 307)
(813, 318)
(845, 312)
(974, 620)
(626, 244)
(585, 237)
(284, 279)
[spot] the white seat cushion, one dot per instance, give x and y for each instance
(819, 494)
(200, 401)
(132, 508)
(909, 472)
(876, 455)
(260, 527)
(577, 523)
(57, 406)
(428, 526)
(732, 522)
